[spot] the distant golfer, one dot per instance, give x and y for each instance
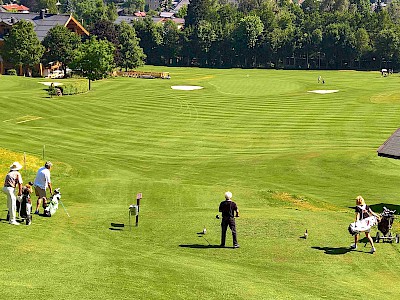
(13, 178)
(41, 183)
(229, 211)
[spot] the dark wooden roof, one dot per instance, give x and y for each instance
(42, 22)
(391, 148)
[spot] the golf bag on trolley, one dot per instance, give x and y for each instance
(385, 227)
(52, 205)
(24, 204)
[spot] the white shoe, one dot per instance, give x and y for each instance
(353, 246)
(373, 250)
(14, 223)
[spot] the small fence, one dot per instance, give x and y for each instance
(142, 74)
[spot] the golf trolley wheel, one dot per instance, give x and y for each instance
(377, 238)
(397, 238)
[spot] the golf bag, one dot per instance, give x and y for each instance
(362, 225)
(385, 225)
(52, 206)
(24, 205)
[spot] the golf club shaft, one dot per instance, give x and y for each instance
(64, 208)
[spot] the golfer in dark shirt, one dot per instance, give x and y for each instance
(229, 211)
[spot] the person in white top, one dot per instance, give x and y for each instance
(13, 178)
(41, 183)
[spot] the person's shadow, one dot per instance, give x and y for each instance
(342, 250)
(334, 250)
(199, 246)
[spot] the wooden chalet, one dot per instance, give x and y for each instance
(42, 22)
(391, 148)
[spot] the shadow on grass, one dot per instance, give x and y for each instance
(199, 246)
(117, 226)
(333, 250)
(378, 208)
(362, 243)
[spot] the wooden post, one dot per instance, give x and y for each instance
(138, 197)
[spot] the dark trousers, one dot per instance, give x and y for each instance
(224, 226)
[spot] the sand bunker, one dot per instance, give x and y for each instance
(49, 83)
(186, 87)
(324, 91)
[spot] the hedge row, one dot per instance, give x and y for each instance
(72, 87)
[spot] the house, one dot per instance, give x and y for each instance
(42, 22)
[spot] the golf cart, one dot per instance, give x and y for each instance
(385, 227)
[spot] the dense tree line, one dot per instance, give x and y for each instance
(332, 34)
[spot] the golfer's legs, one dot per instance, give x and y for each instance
(232, 226)
(224, 227)
(11, 202)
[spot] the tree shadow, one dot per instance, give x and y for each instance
(378, 208)
(199, 246)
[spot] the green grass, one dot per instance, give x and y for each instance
(294, 160)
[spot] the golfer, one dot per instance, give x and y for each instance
(229, 211)
(363, 211)
(41, 183)
(13, 178)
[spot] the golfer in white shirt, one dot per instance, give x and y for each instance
(42, 182)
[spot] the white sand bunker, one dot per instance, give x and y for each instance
(186, 87)
(324, 91)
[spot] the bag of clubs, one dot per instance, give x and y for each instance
(24, 204)
(52, 205)
(385, 227)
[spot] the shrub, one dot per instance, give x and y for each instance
(12, 72)
(72, 87)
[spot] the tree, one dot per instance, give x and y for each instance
(171, 45)
(130, 53)
(247, 35)
(105, 30)
(362, 43)
(94, 58)
(60, 43)
(21, 45)
(182, 12)
(150, 35)
(132, 6)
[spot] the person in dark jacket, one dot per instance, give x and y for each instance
(229, 211)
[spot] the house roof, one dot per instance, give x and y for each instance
(15, 7)
(42, 25)
(181, 4)
(140, 14)
(391, 148)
